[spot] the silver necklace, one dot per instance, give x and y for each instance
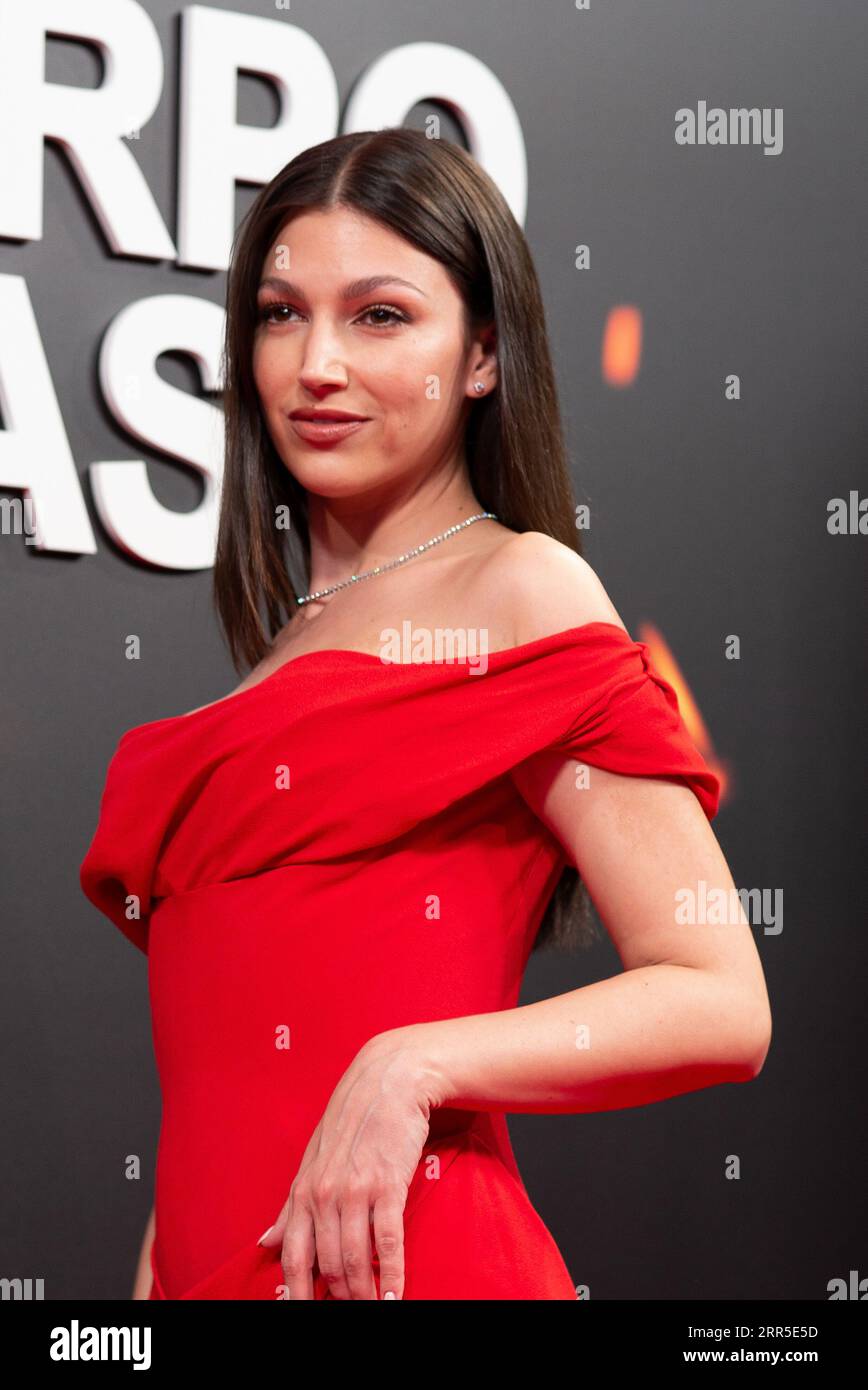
(401, 560)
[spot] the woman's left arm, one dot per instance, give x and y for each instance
(689, 1010)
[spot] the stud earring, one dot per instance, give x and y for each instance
(478, 386)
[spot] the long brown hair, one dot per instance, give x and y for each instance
(436, 196)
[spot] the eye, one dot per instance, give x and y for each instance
(396, 315)
(265, 311)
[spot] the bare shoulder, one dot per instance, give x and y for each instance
(542, 587)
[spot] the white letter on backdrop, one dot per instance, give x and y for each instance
(34, 450)
(88, 123)
(183, 426)
(215, 151)
(393, 84)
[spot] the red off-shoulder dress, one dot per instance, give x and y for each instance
(333, 852)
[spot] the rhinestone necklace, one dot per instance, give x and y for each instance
(401, 560)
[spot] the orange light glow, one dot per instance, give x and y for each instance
(665, 663)
(622, 345)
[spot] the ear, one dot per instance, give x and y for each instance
(482, 357)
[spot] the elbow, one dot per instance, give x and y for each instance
(743, 1018)
(757, 1041)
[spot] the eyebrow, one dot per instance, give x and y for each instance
(356, 289)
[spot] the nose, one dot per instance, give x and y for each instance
(322, 361)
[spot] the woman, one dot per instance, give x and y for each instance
(339, 870)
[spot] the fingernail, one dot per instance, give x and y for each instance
(390, 1295)
(264, 1234)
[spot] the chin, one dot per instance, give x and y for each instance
(330, 477)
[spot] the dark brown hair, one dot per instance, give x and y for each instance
(436, 196)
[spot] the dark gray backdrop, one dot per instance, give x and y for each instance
(709, 518)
